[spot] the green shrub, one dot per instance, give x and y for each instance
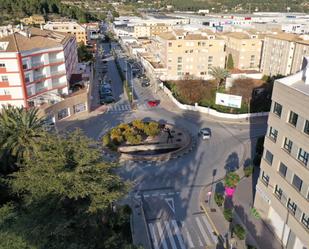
(228, 214)
(251, 247)
(134, 139)
(219, 199)
(248, 170)
(138, 124)
(123, 127)
(231, 179)
(239, 231)
(106, 139)
(116, 135)
(152, 129)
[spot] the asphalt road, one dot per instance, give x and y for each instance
(170, 190)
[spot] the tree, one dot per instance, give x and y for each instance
(230, 62)
(67, 191)
(83, 54)
(20, 130)
(220, 74)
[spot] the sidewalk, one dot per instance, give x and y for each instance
(258, 233)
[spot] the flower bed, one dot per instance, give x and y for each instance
(134, 133)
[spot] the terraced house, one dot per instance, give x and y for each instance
(36, 66)
(282, 192)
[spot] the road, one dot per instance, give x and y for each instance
(170, 190)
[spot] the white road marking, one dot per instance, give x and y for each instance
(170, 203)
(178, 234)
(153, 235)
(146, 195)
(170, 193)
(170, 235)
(161, 235)
(204, 233)
(163, 194)
(214, 238)
(188, 236)
(155, 194)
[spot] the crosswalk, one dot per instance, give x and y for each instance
(119, 108)
(195, 233)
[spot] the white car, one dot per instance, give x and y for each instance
(205, 133)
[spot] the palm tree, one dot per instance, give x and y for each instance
(220, 74)
(20, 130)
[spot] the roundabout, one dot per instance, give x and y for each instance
(147, 141)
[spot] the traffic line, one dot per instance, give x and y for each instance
(202, 230)
(161, 235)
(178, 234)
(153, 236)
(214, 238)
(187, 235)
(170, 235)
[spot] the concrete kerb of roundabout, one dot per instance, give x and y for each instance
(173, 142)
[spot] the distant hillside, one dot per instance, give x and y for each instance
(242, 5)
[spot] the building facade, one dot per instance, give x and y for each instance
(72, 27)
(149, 30)
(34, 19)
(36, 66)
(282, 191)
(189, 54)
(245, 49)
(283, 53)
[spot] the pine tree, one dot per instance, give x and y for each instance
(230, 62)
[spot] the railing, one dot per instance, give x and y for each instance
(56, 60)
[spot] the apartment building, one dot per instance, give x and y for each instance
(71, 27)
(189, 54)
(34, 19)
(282, 191)
(283, 53)
(245, 48)
(36, 66)
(146, 30)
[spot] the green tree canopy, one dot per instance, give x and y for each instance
(20, 131)
(220, 74)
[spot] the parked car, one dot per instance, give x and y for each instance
(107, 100)
(205, 133)
(153, 103)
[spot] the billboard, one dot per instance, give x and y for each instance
(228, 100)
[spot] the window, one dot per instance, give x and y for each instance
(287, 145)
(306, 128)
(277, 109)
(303, 156)
(293, 118)
(265, 178)
(305, 220)
(63, 113)
(269, 157)
(79, 108)
(170, 44)
(179, 59)
(292, 206)
(4, 78)
(297, 182)
(251, 64)
(282, 169)
(278, 192)
(2, 64)
(210, 58)
(252, 58)
(273, 134)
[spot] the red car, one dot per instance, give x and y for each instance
(153, 103)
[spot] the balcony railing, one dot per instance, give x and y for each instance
(56, 83)
(37, 64)
(56, 60)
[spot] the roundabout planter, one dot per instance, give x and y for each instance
(147, 141)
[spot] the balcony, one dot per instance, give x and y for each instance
(58, 83)
(37, 64)
(56, 60)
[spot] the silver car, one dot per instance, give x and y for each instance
(205, 133)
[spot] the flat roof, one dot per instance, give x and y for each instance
(288, 37)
